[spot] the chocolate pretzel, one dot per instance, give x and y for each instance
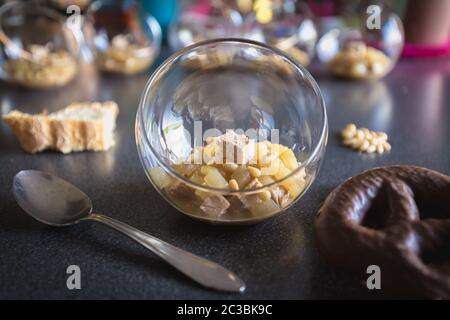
(397, 218)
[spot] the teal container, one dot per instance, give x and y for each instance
(164, 11)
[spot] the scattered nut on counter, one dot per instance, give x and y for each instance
(358, 61)
(44, 68)
(125, 57)
(365, 140)
(235, 162)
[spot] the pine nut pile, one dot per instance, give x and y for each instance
(365, 140)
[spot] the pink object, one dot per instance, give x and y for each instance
(323, 8)
(419, 50)
(202, 8)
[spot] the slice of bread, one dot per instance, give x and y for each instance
(78, 127)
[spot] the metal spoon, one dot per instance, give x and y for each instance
(54, 201)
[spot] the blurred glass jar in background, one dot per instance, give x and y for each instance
(288, 26)
(38, 48)
(285, 24)
(201, 20)
(123, 37)
(366, 46)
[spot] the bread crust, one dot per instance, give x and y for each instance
(46, 131)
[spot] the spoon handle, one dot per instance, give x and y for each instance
(205, 272)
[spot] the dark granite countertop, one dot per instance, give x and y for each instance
(278, 258)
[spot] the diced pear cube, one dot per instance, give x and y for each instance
(277, 148)
(159, 177)
(215, 180)
(294, 186)
(289, 159)
(209, 152)
(196, 156)
(261, 151)
(197, 177)
(273, 168)
(265, 208)
(267, 159)
(281, 173)
(265, 180)
(207, 169)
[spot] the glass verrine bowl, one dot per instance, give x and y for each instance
(231, 109)
(291, 29)
(38, 48)
(125, 39)
(363, 47)
(287, 25)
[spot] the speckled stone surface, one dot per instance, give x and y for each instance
(278, 259)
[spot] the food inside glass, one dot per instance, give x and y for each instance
(39, 48)
(125, 39)
(361, 48)
(236, 162)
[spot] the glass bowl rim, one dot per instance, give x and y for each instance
(139, 124)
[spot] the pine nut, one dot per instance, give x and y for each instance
(387, 146)
(371, 148)
(346, 134)
(233, 184)
(254, 172)
(382, 136)
(356, 144)
(230, 167)
(265, 195)
(380, 148)
(351, 127)
(359, 134)
(364, 146)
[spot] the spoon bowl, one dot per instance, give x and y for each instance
(59, 203)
